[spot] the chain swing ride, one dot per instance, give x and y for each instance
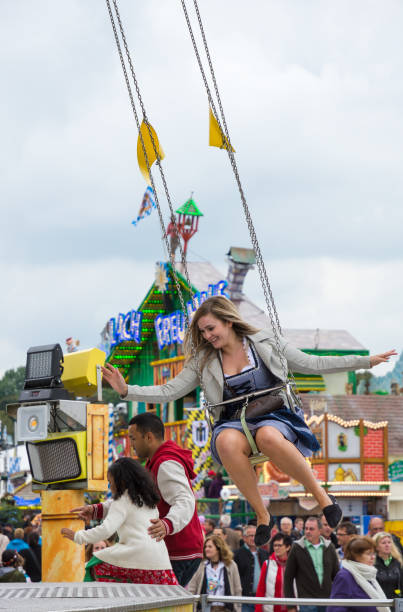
(149, 151)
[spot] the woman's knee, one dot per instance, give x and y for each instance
(231, 440)
(269, 436)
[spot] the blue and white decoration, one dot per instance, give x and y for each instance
(110, 443)
(14, 465)
(146, 207)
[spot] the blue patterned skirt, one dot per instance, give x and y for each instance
(291, 424)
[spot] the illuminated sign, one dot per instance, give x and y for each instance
(170, 329)
(125, 327)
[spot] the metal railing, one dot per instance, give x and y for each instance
(395, 605)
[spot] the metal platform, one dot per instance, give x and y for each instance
(85, 597)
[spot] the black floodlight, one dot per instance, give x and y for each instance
(43, 374)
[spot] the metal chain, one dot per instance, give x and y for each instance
(271, 307)
(158, 161)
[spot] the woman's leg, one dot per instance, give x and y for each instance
(287, 457)
(240, 469)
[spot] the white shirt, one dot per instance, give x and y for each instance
(136, 549)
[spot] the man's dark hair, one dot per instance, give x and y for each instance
(349, 527)
(212, 523)
(148, 422)
(129, 475)
(283, 537)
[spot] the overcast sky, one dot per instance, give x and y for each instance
(313, 95)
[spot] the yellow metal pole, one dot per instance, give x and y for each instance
(62, 559)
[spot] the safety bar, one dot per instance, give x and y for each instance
(205, 600)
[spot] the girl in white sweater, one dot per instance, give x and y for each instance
(137, 557)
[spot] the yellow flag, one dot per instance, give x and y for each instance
(216, 137)
(151, 156)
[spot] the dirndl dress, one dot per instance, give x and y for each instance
(291, 424)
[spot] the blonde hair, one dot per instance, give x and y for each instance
(224, 552)
(394, 550)
(223, 309)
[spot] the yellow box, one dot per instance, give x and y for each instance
(80, 371)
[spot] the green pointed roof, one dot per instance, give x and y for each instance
(189, 208)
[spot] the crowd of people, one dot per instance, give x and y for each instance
(150, 532)
(21, 551)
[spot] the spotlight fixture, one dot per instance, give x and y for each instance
(43, 373)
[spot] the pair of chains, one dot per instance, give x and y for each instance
(271, 308)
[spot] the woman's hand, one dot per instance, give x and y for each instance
(68, 533)
(115, 379)
(375, 360)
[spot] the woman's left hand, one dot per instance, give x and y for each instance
(381, 358)
(68, 533)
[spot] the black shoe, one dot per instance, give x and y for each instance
(333, 513)
(262, 535)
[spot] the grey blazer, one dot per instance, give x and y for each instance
(297, 361)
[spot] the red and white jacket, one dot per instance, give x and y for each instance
(271, 583)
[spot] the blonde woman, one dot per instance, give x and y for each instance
(388, 563)
(236, 358)
(217, 574)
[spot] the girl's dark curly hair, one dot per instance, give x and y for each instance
(129, 475)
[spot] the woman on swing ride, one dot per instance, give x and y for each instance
(235, 359)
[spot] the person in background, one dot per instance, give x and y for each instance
(10, 571)
(233, 536)
(388, 564)
(298, 527)
(357, 577)
(286, 527)
(209, 526)
(249, 560)
(327, 532)
(312, 564)
(217, 574)
(35, 546)
(92, 549)
(31, 565)
(346, 531)
(271, 582)
(377, 524)
(207, 481)
(4, 542)
(221, 532)
(214, 492)
(216, 485)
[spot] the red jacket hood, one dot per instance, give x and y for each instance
(171, 451)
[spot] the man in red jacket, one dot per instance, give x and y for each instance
(172, 468)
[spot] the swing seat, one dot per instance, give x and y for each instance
(257, 458)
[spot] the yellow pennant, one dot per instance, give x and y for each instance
(148, 145)
(216, 137)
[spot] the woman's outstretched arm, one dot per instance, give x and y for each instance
(299, 361)
(177, 387)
